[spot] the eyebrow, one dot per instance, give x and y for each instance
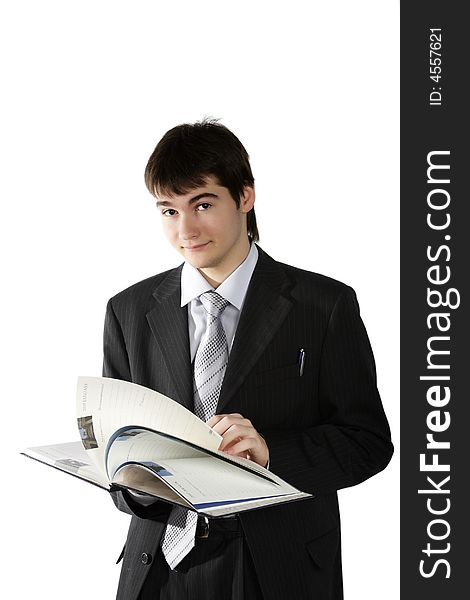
(190, 201)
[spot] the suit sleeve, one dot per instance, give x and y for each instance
(115, 359)
(116, 365)
(352, 441)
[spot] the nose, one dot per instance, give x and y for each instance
(188, 229)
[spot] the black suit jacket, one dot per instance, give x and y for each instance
(325, 430)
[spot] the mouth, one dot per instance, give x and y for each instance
(195, 247)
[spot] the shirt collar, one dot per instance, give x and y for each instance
(232, 289)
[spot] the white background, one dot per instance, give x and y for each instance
(89, 87)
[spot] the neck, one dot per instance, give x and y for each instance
(216, 275)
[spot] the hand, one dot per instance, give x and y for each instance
(240, 438)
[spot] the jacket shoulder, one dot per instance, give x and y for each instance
(142, 291)
(316, 286)
(308, 283)
(318, 279)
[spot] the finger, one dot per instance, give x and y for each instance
(234, 434)
(214, 420)
(253, 447)
(229, 421)
(217, 418)
(243, 446)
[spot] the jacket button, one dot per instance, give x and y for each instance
(146, 559)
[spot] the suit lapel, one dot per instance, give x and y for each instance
(169, 324)
(267, 304)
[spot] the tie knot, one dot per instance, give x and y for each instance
(213, 303)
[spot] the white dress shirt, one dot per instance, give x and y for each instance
(233, 289)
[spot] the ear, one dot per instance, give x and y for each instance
(247, 200)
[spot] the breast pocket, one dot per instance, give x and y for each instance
(276, 375)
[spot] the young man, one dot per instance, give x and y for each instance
(274, 358)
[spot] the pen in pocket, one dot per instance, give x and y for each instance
(301, 361)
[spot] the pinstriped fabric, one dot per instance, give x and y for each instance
(325, 430)
(206, 575)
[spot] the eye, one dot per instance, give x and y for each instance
(203, 206)
(169, 212)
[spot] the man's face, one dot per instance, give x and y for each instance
(207, 228)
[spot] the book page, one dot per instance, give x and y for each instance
(141, 477)
(223, 509)
(70, 457)
(207, 480)
(105, 405)
(143, 446)
(201, 478)
(136, 477)
(210, 486)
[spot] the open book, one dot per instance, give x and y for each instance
(135, 438)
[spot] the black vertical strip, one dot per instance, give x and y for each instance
(435, 252)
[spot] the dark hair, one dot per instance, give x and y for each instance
(189, 153)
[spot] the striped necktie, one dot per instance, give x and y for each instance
(210, 363)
